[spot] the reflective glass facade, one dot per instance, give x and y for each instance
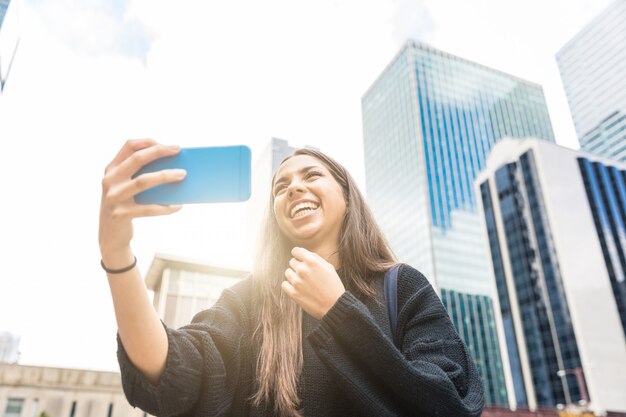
(606, 191)
(536, 288)
(429, 122)
(473, 318)
(592, 66)
(503, 296)
(608, 139)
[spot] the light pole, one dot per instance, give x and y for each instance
(580, 379)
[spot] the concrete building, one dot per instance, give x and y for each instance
(593, 71)
(429, 121)
(27, 391)
(555, 222)
(184, 287)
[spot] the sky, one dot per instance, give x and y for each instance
(90, 74)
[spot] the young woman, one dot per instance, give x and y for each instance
(308, 334)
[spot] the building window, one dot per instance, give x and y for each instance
(14, 407)
(34, 407)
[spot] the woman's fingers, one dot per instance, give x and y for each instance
(294, 264)
(312, 282)
(290, 275)
(138, 159)
(148, 210)
(129, 189)
(131, 146)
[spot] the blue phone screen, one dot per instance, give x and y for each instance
(214, 174)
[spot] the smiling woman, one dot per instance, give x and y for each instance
(308, 334)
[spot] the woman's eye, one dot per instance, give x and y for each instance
(279, 189)
(312, 174)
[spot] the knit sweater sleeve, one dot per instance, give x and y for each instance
(430, 374)
(203, 366)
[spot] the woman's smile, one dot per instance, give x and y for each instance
(303, 209)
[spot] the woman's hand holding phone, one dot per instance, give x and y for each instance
(118, 207)
(139, 326)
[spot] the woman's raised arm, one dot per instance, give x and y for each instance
(139, 326)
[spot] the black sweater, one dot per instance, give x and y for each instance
(351, 365)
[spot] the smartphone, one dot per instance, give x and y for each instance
(214, 174)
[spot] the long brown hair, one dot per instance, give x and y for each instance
(362, 250)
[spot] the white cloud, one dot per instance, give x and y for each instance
(95, 27)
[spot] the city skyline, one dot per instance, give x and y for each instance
(76, 93)
(429, 123)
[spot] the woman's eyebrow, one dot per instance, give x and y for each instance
(301, 171)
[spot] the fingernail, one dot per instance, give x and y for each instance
(180, 173)
(174, 147)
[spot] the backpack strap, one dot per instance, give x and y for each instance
(391, 297)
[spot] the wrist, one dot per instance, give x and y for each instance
(119, 259)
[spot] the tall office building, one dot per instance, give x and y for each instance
(593, 71)
(429, 121)
(555, 222)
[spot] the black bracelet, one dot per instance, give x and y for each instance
(121, 270)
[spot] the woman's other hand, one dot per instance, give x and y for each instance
(118, 207)
(312, 282)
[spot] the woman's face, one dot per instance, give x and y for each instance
(308, 203)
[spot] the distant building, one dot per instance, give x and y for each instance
(262, 171)
(26, 391)
(593, 71)
(184, 287)
(9, 347)
(555, 222)
(9, 37)
(4, 5)
(429, 121)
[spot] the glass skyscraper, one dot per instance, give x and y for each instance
(473, 318)
(593, 71)
(554, 218)
(429, 122)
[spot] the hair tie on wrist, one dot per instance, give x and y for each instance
(121, 270)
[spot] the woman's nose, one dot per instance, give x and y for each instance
(296, 186)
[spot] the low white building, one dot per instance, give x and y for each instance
(28, 391)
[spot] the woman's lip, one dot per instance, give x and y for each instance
(294, 204)
(311, 212)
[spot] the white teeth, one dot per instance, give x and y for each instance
(304, 207)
